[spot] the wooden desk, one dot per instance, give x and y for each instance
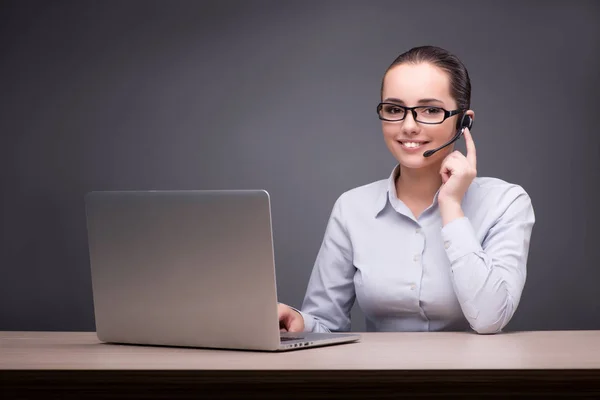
(382, 365)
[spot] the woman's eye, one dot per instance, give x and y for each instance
(433, 110)
(394, 110)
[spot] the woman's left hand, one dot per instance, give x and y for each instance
(458, 172)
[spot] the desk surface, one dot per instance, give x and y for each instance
(383, 365)
(544, 350)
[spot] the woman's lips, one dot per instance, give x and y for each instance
(414, 149)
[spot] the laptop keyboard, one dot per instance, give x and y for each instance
(288, 338)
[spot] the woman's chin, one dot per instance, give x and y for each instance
(413, 165)
(413, 160)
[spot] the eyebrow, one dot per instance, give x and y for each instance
(422, 101)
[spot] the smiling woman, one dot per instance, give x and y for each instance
(433, 247)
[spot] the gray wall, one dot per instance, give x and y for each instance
(278, 95)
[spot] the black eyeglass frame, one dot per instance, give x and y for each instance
(447, 114)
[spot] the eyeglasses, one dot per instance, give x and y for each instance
(423, 114)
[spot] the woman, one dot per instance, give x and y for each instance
(433, 247)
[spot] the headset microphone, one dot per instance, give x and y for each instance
(465, 122)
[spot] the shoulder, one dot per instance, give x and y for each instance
(361, 201)
(365, 196)
(495, 188)
(496, 196)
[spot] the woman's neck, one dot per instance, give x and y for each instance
(418, 184)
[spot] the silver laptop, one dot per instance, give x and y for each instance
(188, 268)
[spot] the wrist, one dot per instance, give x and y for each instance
(302, 322)
(449, 204)
(450, 210)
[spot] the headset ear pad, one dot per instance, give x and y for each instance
(466, 122)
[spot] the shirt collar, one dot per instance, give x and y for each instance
(390, 187)
(388, 194)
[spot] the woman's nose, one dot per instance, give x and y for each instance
(409, 125)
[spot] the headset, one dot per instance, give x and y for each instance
(465, 122)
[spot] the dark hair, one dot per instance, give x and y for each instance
(460, 84)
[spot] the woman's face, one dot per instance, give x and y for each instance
(413, 85)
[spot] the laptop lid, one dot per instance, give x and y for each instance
(183, 268)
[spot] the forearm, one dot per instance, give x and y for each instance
(482, 287)
(450, 211)
(482, 292)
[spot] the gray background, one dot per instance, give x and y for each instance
(98, 95)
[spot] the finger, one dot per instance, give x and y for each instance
(471, 152)
(445, 176)
(452, 161)
(456, 154)
(448, 168)
(455, 164)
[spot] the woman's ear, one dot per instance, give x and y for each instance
(470, 113)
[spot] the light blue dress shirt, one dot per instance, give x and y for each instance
(413, 274)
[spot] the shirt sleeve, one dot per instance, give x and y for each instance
(488, 278)
(330, 294)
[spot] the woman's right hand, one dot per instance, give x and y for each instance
(290, 320)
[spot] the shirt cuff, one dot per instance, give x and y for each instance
(309, 321)
(459, 239)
